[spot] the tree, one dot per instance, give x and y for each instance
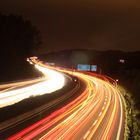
(18, 38)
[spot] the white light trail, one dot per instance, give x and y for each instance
(55, 81)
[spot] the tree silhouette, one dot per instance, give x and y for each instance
(18, 37)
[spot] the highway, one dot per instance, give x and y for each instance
(97, 113)
(15, 115)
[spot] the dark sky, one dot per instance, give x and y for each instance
(93, 24)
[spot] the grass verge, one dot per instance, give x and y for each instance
(132, 124)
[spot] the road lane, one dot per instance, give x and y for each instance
(92, 115)
(97, 113)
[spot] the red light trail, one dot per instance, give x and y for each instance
(97, 113)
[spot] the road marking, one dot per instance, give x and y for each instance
(94, 123)
(100, 114)
(103, 108)
(86, 134)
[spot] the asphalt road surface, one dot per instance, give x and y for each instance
(97, 113)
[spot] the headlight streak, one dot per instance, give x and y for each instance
(98, 122)
(56, 81)
(56, 113)
(71, 119)
(84, 117)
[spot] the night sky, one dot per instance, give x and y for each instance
(92, 24)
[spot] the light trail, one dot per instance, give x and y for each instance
(38, 87)
(97, 113)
